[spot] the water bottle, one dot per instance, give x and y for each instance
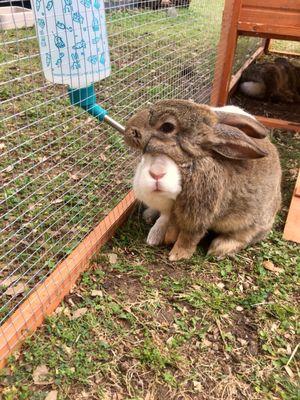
(73, 41)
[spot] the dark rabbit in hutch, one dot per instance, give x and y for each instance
(205, 168)
(277, 81)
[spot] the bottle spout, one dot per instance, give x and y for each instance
(86, 99)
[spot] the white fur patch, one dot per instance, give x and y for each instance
(157, 233)
(144, 185)
(253, 89)
(233, 110)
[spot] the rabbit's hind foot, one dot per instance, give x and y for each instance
(228, 244)
(225, 245)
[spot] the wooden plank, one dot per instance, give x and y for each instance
(48, 295)
(236, 77)
(225, 53)
(291, 5)
(292, 226)
(283, 53)
(279, 123)
(270, 16)
(273, 31)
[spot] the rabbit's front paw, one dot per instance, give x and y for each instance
(155, 236)
(157, 233)
(179, 253)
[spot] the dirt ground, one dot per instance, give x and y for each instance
(288, 112)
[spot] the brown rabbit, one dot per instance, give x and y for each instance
(230, 182)
(278, 81)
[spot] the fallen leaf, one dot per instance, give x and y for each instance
(271, 267)
(206, 342)
(103, 157)
(197, 287)
(67, 349)
(289, 371)
(239, 308)
(40, 375)
(282, 351)
(198, 386)
(74, 177)
(220, 285)
(3, 267)
(67, 312)
(242, 341)
(170, 341)
(149, 396)
(112, 258)
(96, 293)
(16, 290)
(79, 313)
(57, 201)
(288, 349)
(52, 395)
(2, 146)
(9, 280)
(9, 168)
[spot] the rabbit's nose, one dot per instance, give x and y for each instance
(157, 177)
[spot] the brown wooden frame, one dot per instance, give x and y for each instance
(253, 18)
(292, 226)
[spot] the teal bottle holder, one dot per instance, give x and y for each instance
(86, 99)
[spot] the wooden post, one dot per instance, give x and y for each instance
(266, 45)
(225, 52)
(292, 226)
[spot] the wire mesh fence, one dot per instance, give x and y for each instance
(285, 46)
(62, 172)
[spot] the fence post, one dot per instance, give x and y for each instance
(225, 52)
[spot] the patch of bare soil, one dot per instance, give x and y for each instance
(284, 111)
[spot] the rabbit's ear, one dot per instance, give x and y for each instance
(245, 123)
(232, 143)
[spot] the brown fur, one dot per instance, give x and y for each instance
(281, 79)
(230, 182)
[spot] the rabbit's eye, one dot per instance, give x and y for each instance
(167, 127)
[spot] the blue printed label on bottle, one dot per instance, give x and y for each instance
(73, 41)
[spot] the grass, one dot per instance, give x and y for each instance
(152, 329)
(61, 171)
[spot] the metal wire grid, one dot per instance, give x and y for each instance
(61, 172)
(246, 46)
(285, 45)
